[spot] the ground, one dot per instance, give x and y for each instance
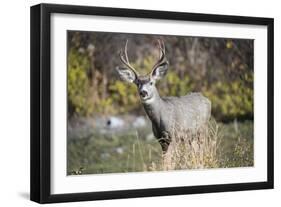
(138, 150)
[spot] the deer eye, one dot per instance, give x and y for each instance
(151, 83)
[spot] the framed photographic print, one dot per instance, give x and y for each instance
(133, 103)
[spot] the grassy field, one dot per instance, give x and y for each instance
(134, 151)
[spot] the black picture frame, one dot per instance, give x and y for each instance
(41, 99)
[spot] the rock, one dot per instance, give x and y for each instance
(139, 122)
(119, 150)
(115, 123)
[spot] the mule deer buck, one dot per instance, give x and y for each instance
(189, 112)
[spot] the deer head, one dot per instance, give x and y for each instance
(145, 83)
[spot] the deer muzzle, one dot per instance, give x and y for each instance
(143, 93)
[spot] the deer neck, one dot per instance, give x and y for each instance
(153, 108)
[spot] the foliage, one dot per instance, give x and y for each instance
(233, 99)
(124, 96)
(221, 69)
(78, 83)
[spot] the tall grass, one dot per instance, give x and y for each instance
(192, 149)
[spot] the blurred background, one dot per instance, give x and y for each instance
(108, 130)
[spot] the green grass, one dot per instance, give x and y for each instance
(131, 152)
(237, 145)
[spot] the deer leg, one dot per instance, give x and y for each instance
(167, 153)
(165, 142)
(164, 146)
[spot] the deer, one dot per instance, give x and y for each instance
(189, 112)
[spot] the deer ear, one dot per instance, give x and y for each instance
(126, 74)
(160, 71)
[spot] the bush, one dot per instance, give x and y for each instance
(78, 83)
(233, 99)
(230, 99)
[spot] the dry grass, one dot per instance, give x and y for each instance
(195, 149)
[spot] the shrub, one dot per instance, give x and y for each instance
(230, 98)
(233, 99)
(78, 83)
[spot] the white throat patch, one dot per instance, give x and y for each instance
(148, 101)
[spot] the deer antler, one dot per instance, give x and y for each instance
(161, 54)
(124, 58)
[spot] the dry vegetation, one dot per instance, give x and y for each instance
(197, 149)
(193, 150)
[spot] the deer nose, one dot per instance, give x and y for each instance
(143, 93)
